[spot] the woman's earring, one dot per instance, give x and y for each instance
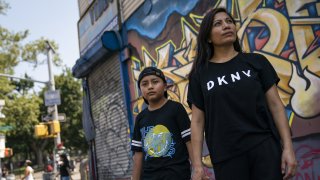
(209, 41)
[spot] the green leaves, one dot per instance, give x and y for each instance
(23, 108)
(13, 51)
(22, 114)
(23, 86)
(10, 49)
(32, 50)
(3, 7)
(71, 104)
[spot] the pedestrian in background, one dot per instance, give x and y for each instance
(234, 100)
(161, 137)
(4, 172)
(64, 168)
(28, 172)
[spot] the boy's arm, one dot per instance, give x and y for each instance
(137, 165)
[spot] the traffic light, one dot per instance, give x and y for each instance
(8, 152)
(54, 127)
(47, 129)
(41, 130)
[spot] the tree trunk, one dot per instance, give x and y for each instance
(39, 157)
(39, 151)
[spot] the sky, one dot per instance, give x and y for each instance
(52, 19)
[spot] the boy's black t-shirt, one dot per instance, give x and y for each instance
(162, 135)
(232, 96)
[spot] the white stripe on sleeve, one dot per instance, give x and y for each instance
(186, 131)
(137, 142)
(186, 134)
(137, 145)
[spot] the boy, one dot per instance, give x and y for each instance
(161, 139)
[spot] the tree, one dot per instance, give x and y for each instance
(3, 7)
(72, 134)
(12, 52)
(22, 114)
(22, 109)
(71, 92)
(23, 86)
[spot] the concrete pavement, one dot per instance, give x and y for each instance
(39, 175)
(75, 174)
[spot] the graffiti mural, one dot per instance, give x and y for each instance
(110, 120)
(113, 153)
(287, 32)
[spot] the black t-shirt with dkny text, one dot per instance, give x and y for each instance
(232, 96)
(162, 135)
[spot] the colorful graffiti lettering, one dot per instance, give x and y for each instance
(174, 62)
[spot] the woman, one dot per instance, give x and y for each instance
(234, 100)
(64, 168)
(28, 172)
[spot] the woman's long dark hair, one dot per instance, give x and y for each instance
(205, 50)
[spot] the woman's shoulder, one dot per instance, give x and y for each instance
(255, 60)
(197, 73)
(252, 55)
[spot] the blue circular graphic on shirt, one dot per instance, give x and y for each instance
(157, 141)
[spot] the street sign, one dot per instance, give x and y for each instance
(61, 117)
(52, 98)
(5, 128)
(46, 117)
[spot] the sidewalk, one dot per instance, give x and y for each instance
(75, 174)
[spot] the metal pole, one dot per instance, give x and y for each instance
(52, 87)
(15, 77)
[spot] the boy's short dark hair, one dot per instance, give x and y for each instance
(152, 71)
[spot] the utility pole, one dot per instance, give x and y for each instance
(2, 137)
(15, 77)
(52, 87)
(51, 83)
